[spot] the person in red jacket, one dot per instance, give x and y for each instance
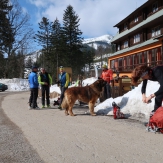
(107, 75)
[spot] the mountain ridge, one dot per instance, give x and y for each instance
(104, 40)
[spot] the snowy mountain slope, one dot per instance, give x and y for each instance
(98, 41)
(95, 42)
(104, 38)
(33, 56)
(92, 42)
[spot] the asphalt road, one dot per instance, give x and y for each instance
(14, 147)
(47, 135)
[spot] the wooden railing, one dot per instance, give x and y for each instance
(123, 69)
(121, 86)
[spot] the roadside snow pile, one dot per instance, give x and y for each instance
(89, 81)
(55, 88)
(131, 102)
(16, 84)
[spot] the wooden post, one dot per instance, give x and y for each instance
(120, 86)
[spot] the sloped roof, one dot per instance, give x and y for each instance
(139, 8)
(140, 25)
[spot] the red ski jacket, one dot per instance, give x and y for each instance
(107, 75)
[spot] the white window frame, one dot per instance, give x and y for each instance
(156, 31)
(125, 44)
(155, 7)
(137, 38)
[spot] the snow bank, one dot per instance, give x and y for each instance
(131, 102)
(16, 84)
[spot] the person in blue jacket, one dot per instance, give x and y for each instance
(34, 85)
(64, 82)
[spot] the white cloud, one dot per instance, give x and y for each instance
(24, 10)
(97, 17)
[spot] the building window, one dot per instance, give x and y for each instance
(135, 59)
(154, 55)
(161, 52)
(120, 61)
(155, 7)
(118, 48)
(136, 18)
(145, 57)
(137, 38)
(113, 64)
(128, 62)
(156, 31)
(140, 58)
(125, 26)
(125, 45)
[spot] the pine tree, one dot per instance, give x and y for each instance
(43, 37)
(73, 40)
(6, 34)
(29, 63)
(6, 37)
(15, 32)
(2, 65)
(56, 47)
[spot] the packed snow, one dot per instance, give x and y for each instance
(104, 38)
(131, 103)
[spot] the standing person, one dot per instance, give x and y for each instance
(107, 75)
(34, 85)
(45, 81)
(154, 74)
(64, 80)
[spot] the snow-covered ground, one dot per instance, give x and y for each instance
(130, 103)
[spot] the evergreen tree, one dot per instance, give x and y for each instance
(6, 37)
(29, 63)
(2, 65)
(43, 37)
(15, 32)
(56, 44)
(73, 39)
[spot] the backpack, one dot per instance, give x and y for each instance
(56, 102)
(156, 121)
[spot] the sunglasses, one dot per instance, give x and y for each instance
(143, 74)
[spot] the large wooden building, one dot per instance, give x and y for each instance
(139, 39)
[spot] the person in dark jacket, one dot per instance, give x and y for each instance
(45, 81)
(34, 85)
(154, 74)
(64, 82)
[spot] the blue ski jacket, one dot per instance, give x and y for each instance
(64, 79)
(33, 80)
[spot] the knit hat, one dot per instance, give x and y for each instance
(104, 66)
(61, 68)
(34, 67)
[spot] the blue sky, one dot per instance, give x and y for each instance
(97, 17)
